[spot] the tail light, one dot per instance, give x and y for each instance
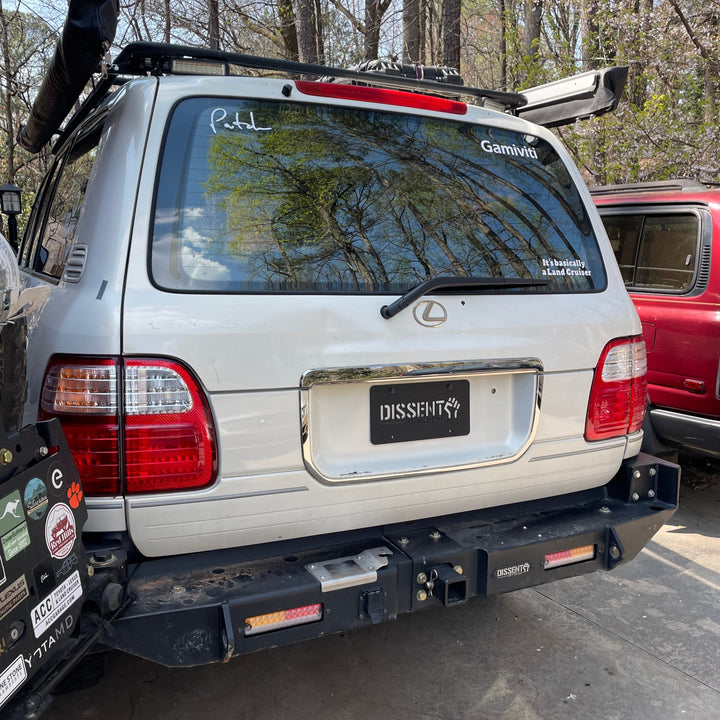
(619, 391)
(144, 420)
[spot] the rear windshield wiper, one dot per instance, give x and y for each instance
(437, 283)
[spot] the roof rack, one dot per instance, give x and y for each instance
(150, 58)
(677, 185)
(143, 58)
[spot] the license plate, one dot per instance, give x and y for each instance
(419, 411)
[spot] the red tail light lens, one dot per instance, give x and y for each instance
(619, 391)
(380, 95)
(163, 425)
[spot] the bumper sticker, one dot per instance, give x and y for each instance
(15, 541)
(60, 531)
(13, 677)
(45, 613)
(11, 512)
(36, 499)
(13, 595)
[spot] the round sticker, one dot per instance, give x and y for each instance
(36, 499)
(60, 531)
(56, 479)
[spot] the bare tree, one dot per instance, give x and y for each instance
(451, 32)
(411, 31)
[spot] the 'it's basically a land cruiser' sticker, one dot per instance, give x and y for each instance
(564, 268)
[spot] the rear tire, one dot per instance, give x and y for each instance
(13, 384)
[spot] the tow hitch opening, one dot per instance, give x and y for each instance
(450, 586)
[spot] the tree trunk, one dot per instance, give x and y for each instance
(411, 31)
(307, 31)
(590, 30)
(533, 21)
(8, 80)
(168, 15)
(503, 45)
(288, 30)
(372, 29)
(213, 25)
(319, 35)
(451, 33)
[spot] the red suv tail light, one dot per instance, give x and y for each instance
(151, 419)
(619, 391)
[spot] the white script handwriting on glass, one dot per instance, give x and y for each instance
(219, 115)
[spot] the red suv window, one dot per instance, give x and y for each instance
(656, 251)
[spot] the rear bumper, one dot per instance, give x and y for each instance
(191, 610)
(701, 435)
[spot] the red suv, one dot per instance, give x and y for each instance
(666, 238)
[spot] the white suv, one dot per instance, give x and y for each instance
(329, 351)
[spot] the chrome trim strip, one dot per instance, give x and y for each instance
(412, 371)
(705, 423)
(573, 453)
(371, 373)
(223, 498)
(104, 505)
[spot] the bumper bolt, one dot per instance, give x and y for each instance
(403, 541)
(458, 569)
(43, 450)
(604, 509)
(90, 570)
(421, 578)
(637, 474)
(652, 472)
(435, 534)
(5, 457)
(635, 497)
(178, 589)
(651, 493)
(421, 595)
(614, 551)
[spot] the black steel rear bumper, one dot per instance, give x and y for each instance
(194, 609)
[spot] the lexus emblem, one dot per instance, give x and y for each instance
(430, 313)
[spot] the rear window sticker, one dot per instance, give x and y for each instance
(219, 115)
(45, 613)
(15, 541)
(35, 499)
(12, 678)
(60, 531)
(565, 267)
(512, 149)
(13, 595)
(11, 512)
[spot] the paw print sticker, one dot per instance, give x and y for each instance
(74, 495)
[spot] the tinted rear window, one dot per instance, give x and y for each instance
(258, 196)
(658, 252)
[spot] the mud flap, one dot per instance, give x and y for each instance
(44, 570)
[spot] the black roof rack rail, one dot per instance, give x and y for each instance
(679, 184)
(150, 58)
(141, 58)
